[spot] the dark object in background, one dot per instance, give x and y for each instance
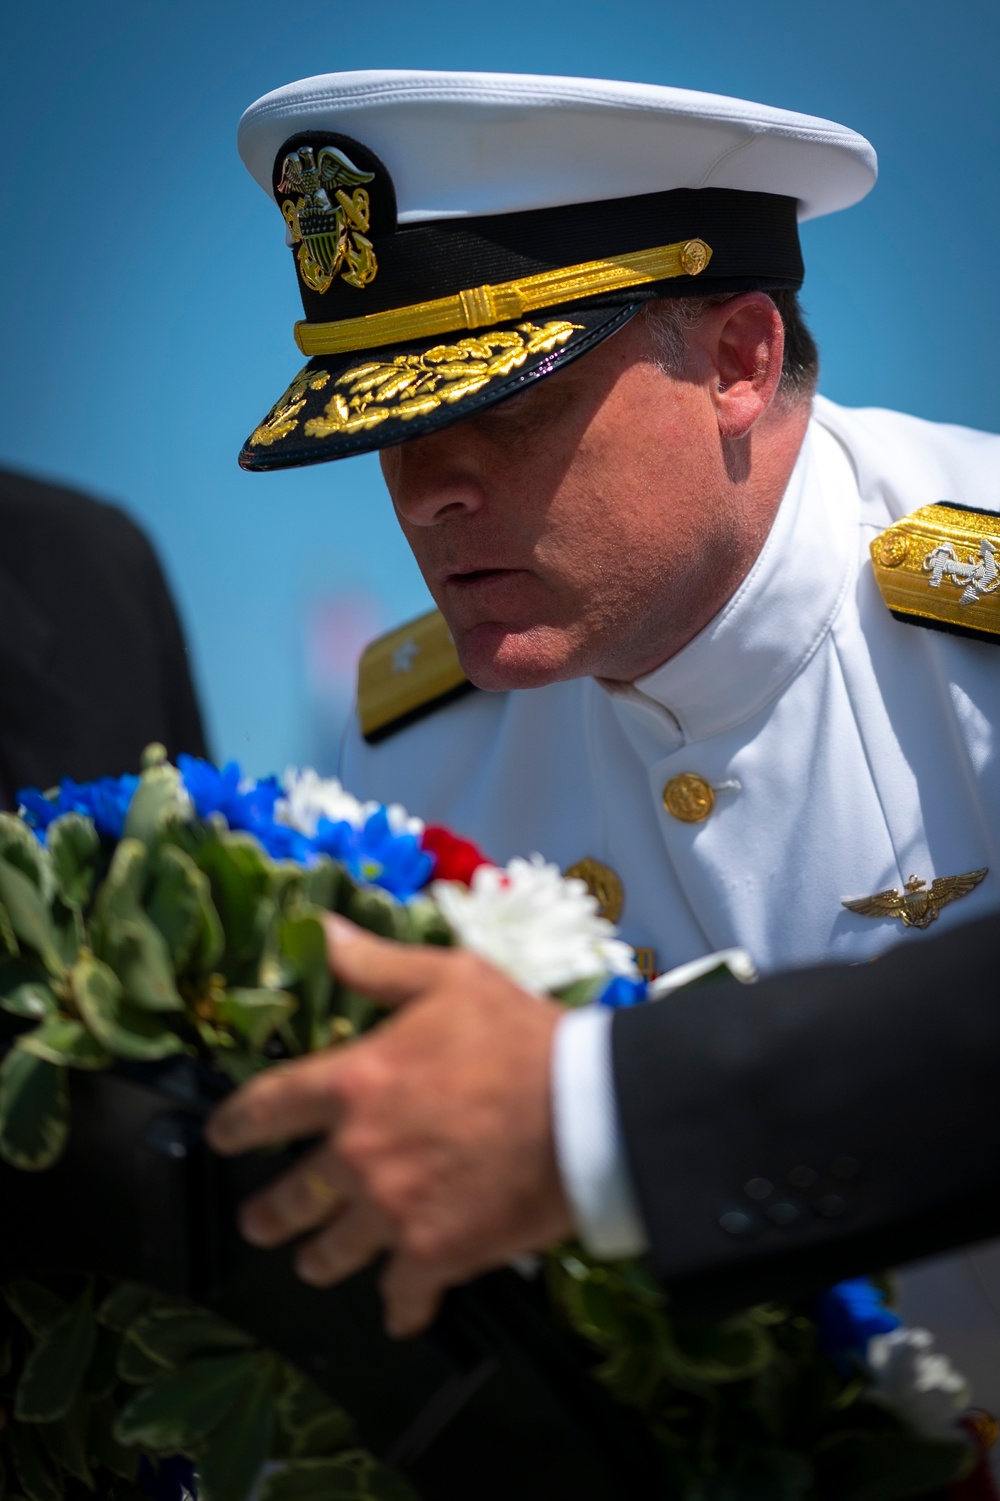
(494, 1402)
(93, 665)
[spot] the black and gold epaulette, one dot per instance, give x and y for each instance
(940, 568)
(408, 673)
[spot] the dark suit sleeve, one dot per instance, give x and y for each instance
(817, 1125)
(93, 664)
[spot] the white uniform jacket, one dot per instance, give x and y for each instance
(847, 752)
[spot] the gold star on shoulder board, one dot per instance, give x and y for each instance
(916, 906)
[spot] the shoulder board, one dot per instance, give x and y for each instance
(408, 673)
(940, 568)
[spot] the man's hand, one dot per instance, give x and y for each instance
(438, 1135)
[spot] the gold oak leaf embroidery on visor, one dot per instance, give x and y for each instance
(282, 418)
(413, 385)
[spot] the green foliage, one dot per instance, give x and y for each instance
(237, 872)
(55, 1368)
(180, 904)
(25, 990)
(61, 1040)
(350, 1477)
(125, 1029)
(746, 1410)
(29, 916)
(155, 803)
(75, 849)
(147, 1375)
(137, 952)
(34, 1111)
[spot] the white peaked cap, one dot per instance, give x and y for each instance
(462, 144)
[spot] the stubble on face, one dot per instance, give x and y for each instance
(586, 527)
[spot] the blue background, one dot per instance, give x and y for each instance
(147, 299)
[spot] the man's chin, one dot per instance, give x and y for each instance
(498, 657)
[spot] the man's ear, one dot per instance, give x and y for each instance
(745, 343)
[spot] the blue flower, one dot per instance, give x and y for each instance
(106, 801)
(622, 991)
(376, 855)
(848, 1316)
(243, 805)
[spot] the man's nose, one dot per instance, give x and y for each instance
(432, 479)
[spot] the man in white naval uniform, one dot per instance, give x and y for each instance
(846, 750)
(796, 748)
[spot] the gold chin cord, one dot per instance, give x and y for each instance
(480, 307)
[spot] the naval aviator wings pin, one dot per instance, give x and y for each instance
(917, 906)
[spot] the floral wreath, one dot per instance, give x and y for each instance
(179, 912)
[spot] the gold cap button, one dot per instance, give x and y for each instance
(688, 797)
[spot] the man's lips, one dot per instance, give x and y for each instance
(467, 578)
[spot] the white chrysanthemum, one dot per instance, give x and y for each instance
(538, 927)
(310, 797)
(917, 1382)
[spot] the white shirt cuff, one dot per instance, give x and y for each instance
(590, 1146)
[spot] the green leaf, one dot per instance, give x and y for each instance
(888, 1466)
(427, 924)
(70, 930)
(136, 950)
(350, 1477)
(174, 1335)
(123, 1305)
(240, 1443)
(22, 849)
(329, 1435)
(62, 1040)
(239, 1067)
(255, 1014)
(124, 1029)
(29, 915)
(123, 886)
(325, 884)
(105, 1450)
(377, 911)
(8, 938)
(38, 1477)
(75, 849)
(136, 1365)
(180, 904)
(238, 873)
(24, 989)
(317, 1426)
(183, 1406)
(36, 1305)
(102, 1374)
(34, 1111)
(66, 1441)
(55, 1368)
(719, 1353)
(158, 798)
(302, 944)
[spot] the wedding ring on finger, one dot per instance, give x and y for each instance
(323, 1192)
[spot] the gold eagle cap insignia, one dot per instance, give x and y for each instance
(917, 905)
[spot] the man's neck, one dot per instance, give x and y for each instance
(757, 469)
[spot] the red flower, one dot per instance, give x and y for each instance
(454, 859)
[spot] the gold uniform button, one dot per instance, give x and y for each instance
(688, 797)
